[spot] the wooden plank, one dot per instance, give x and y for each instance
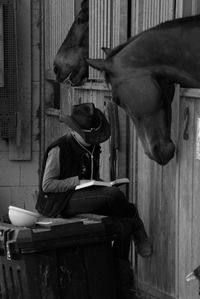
(197, 6)
(133, 18)
(156, 192)
(59, 17)
(1, 48)
(35, 42)
(122, 170)
(183, 8)
(123, 8)
(187, 8)
(186, 199)
(153, 293)
(156, 201)
(176, 102)
(53, 129)
(196, 202)
(190, 92)
(20, 149)
(179, 8)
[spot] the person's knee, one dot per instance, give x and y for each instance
(115, 193)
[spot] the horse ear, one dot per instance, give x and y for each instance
(107, 51)
(99, 64)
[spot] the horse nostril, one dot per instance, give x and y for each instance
(55, 69)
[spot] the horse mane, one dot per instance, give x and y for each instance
(85, 6)
(163, 26)
(178, 21)
(121, 46)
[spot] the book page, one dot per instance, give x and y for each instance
(102, 183)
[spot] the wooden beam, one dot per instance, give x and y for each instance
(20, 148)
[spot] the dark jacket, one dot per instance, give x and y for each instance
(74, 161)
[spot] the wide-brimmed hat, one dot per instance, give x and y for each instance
(89, 122)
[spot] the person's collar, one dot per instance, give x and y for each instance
(79, 139)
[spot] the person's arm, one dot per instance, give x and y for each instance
(50, 182)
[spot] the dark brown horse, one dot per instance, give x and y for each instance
(142, 73)
(70, 61)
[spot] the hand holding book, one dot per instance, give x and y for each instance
(89, 183)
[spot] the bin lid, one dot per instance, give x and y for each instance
(64, 232)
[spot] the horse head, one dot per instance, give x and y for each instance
(70, 61)
(147, 100)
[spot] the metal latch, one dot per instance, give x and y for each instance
(10, 249)
(194, 275)
(7, 244)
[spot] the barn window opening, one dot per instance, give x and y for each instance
(8, 70)
(1, 48)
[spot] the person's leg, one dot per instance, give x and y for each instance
(142, 244)
(110, 201)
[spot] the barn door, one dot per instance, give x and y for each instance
(8, 70)
(189, 190)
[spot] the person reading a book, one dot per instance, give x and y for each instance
(72, 160)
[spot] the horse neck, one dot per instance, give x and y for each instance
(76, 35)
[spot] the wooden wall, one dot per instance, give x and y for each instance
(188, 188)
(19, 158)
(167, 196)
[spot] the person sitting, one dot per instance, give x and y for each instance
(73, 159)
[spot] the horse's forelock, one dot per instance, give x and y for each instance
(85, 5)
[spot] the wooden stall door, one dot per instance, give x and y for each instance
(189, 192)
(156, 200)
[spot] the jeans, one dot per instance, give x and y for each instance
(109, 201)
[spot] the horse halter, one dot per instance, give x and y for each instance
(67, 80)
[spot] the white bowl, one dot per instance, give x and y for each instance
(22, 217)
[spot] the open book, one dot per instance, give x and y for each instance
(102, 183)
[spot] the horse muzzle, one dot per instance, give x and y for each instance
(162, 153)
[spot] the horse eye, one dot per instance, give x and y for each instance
(80, 20)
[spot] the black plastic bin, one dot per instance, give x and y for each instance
(70, 258)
